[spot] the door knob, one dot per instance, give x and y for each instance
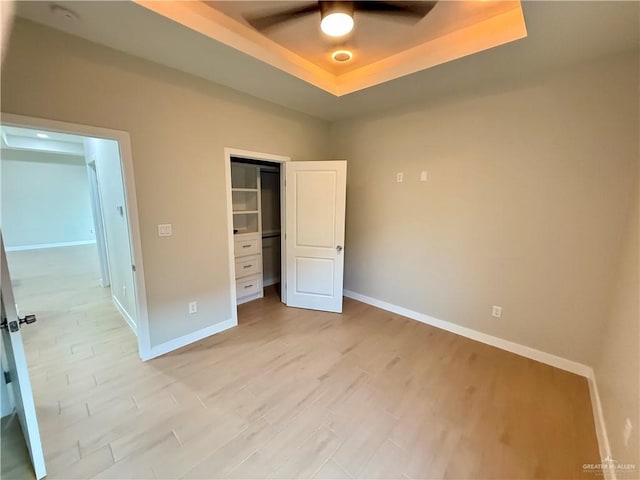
(28, 319)
(339, 248)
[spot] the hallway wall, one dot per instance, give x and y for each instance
(45, 200)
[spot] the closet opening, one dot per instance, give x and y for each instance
(257, 224)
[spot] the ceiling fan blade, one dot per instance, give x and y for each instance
(264, 22)
(415, 10)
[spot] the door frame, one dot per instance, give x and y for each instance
(135, 245)
(265, 157)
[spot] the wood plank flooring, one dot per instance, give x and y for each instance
(14, 456)
(289, 393)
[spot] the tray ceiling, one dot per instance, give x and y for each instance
(559, 34)
(384, 47)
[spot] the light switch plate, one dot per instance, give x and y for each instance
(164, 230)
(423, 176)
(399, 177)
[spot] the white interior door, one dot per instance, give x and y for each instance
(20, 385)
(315, 211)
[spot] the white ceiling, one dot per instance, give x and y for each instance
(27, 139)
(559, 32)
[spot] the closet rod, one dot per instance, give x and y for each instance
(270, 235)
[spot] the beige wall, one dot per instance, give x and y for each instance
(618, 366)
(179, 126)
(529, 185)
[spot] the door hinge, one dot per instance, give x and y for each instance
(7, 377)
(133, 268)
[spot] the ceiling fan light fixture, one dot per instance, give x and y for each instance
(336, 24)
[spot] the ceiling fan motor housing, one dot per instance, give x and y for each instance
(329, 6)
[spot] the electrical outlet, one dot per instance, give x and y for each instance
(399, 177)
(496, 311)
(193, 307)
(626, 434)
(423, 176)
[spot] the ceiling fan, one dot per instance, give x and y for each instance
(337, 17)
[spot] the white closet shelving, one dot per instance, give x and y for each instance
(247, 230)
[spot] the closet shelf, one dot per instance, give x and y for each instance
(247, 211)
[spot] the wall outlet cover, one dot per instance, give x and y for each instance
(193, 307)
(496, 311)
(399, 177)
(165, 230)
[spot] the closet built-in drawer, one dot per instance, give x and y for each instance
(248, 266)
(247, 247)
(248, 286)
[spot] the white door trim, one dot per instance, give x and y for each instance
(265, 157)
(124, 142)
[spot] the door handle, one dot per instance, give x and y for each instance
(339, 248)
(28, 319)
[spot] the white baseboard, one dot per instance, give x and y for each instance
(270, 281)
(185, 340)
(522, 350)
(513, 347)
(48, 245)
(125, 315)
(601, 428)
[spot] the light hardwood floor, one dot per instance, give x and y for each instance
(14, 456)
(289, 393)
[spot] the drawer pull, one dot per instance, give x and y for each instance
(246, 245)
(248, 286)
(247, 266)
